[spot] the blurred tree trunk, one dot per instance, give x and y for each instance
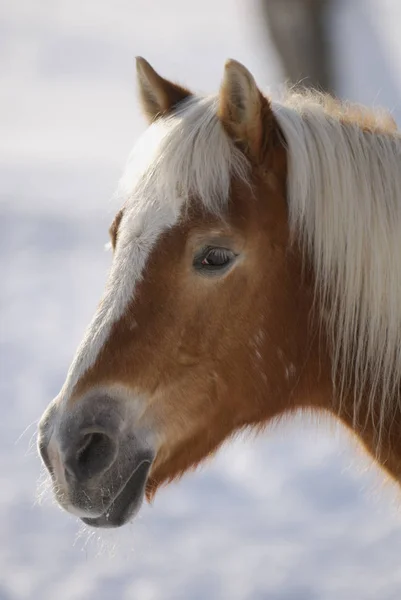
(299, 33)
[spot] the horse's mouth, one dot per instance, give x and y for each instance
(128, 501)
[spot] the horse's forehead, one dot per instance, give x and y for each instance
(139, 230)
(144, 221)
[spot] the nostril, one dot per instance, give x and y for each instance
(96, 452)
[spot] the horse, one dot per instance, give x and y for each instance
(256, 272)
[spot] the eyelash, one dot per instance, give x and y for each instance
(213, 259)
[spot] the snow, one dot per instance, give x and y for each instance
(296, 514)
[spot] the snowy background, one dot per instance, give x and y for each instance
(297, 514)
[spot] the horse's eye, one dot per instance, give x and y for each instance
(214, 259)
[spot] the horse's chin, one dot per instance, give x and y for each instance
(127, 503)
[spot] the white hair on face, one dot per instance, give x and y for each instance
(344, 194)
(185, 155)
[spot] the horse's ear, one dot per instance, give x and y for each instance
(158, 95)
(245, 113)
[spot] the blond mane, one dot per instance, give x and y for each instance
(344, 186)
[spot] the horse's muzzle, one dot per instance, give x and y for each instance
(98, 465)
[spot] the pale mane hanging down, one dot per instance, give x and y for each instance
(344, 188)
(182, 156)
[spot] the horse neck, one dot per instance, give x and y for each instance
(308, 364)
(347, 216)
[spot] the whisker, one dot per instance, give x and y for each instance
(19, 438)
(31, 445)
